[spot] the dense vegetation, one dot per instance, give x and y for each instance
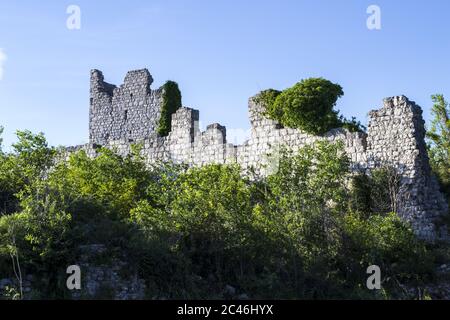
(308, 105)
(303, 232)
(170, 104)
(439, 141)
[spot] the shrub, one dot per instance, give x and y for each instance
(170, 104)
(267, 98)
(377, 193)
(30, 159)
(308, 106)
(307, 205)
(351, 125)
(389, 243)
(190, 232)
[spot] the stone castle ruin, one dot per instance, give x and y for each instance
(128, 114)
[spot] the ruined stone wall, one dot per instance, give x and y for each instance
(267, 136)
(130, 112)
(395, 137)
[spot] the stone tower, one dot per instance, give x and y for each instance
(396, 137)
(130, 111)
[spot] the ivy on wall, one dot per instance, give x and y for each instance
(171, 103)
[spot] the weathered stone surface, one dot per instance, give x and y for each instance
(120, 116)
(396, 136)
(130, 111)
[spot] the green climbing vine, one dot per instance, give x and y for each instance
(171, 103)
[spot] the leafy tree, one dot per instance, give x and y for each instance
(190, 231)
(211, 212)
(306, 197)
(35, 232)
(29, 161)
(307, 203)
(34, 156)
(439, 141)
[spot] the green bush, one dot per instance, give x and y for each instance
(268, 98)
(28, 162)
(308, 106)
(351, 125)
(389, 243)
(377, 193)
(170, 104)
(189, 232)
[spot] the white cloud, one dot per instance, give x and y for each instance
(2, 62)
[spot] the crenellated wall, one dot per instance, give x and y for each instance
(130, 111)
(120, 116)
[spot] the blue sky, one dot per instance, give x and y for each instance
(220, 52)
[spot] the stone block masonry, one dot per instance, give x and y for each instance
(130, 111)
(121, 116)
(396, 136)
